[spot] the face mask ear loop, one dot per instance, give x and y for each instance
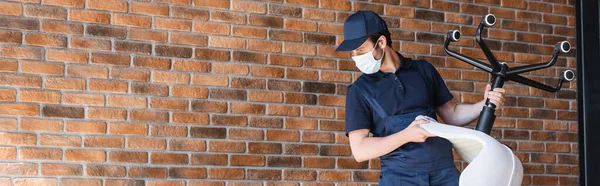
(382, 51)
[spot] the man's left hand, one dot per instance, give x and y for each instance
(496, 96)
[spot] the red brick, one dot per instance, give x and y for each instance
(67, 3)
(212, 28)
(262, 96)
(283, 110)
(147, 172)
(189, 39)
(266, 71)
(190, 118)
(226, 146)
(46, 12)
(266, 21)
(188, 13)
(8, 153)
(8, 66)
(300, 49)
(249, 6)
(247, 160)
(128, 129)
(334, 176)
(191, 66)
(8, 95)
(264, 148)
(111, 5)
(263, 174)
(265, 46)
(172, 24)
(10, 9)
(131, 20)
(105, 170)
(149, 89)
(305, 175)
(61, 170)
(187, 145)
(209, 159)
(21, 169)
(196, 173)
(245, 134)
(146, 35)
(85, 156)
(86, 127)
(127, 102)
(60, 141)
(89, 16)
(284, 35)
(300, 149)
(146, 144)
(45, 40)
(86, 43)
(319, 15)
(161, 117)
(36, 96)
(282, 135)
(76, 181)
(228, 17)
(87, 72)
(302, 74)
(229, 68)
(40, 154)
(8, 124)
(226, 173)
(19, 109)
(318, 137)
(104, 142)
(41, 125)
(335, 4)
(285, 60)
(149, 9)
(330, 150)
(107, 86)
(301, 123)
(241, 108)
(248, 83)
(176, 131)
(21, 53)
(34, 181)
(168, 158)
(226, 42)
(284, 161)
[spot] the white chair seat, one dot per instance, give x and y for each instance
(490, 162)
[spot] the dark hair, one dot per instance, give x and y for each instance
(385, 33)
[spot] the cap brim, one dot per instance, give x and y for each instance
(351, 44)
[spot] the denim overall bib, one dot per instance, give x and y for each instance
(427, 163)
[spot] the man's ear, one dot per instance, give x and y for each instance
(382, 42)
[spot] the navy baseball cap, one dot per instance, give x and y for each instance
(358, 27)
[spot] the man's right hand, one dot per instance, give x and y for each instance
(414, 133)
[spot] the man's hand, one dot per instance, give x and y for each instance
(496, 96)
(414, 133)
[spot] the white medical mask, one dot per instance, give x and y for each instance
(367, 63)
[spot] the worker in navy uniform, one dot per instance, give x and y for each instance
(385, 100)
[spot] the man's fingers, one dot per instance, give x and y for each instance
(500, 90)
(497, 94)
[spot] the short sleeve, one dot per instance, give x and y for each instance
(358, 112)
(442, 94)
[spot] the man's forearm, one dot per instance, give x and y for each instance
(373, 147)
(465, 113)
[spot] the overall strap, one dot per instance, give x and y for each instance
(370, 99)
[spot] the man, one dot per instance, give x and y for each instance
(386, 99)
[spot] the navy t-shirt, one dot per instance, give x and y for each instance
(397, 93)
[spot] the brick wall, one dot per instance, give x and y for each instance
(217, 92)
